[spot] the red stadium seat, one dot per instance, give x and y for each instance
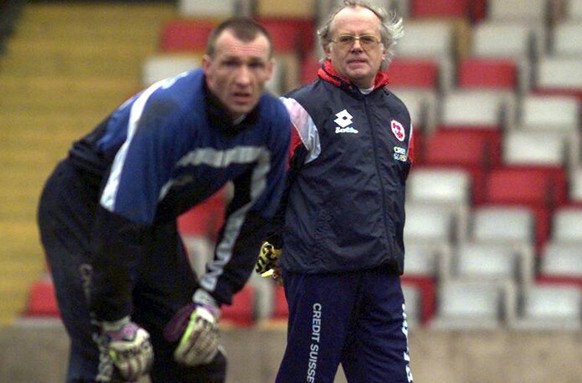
(42, 301)
(280, 308)
(487, 73)
(242, 311)
(185, 35)
(440, 8)
(309, 67)
(205, 219)
(289, 34)
(475, 150)
(413, 73)
(427, 288)
(540, 188)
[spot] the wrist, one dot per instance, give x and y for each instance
(115, 325)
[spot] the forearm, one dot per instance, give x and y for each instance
(115, 248)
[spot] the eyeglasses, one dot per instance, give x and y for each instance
(366, 41)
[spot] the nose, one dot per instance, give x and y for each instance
(243, 76)
(357, 46)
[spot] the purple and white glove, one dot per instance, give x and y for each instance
(196, 325)
(125, 346)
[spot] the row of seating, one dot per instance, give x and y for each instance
(494, 209)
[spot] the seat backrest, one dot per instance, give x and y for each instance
(422, 106)
(573, 10)
(434, 39)
(562, 259)
(522, 147)
(440, 8)
(185, 35)
(481, 260)
(439, 185)
(549, 112)
(565, 39)
(532, 186)
(497, 39)
(210, 9)
(464, 147)
(502, 224)
(554, 72)
(473, 299)
(553, 301)
(567, 225)
(492, 73)
(478, 107)
(425, 222)
(529, 10)
(163, 65)
(409, 72)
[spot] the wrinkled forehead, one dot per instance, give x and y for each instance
(355, 20)
(228, 45)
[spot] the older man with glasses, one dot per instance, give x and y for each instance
(338, 246)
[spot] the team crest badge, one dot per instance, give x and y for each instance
(398, 130)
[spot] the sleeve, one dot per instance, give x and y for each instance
(128, 206)
(256, 198)
(305, 147)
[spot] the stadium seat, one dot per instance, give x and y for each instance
(512, 40)
(413, 304)
(309, 67)
(575, 191)
(164, 65)
(42, 301)
(573, 10)
(559, 76)
(441, 8)
(537, 11)
(418, 73)
(489, 73)
(436, 185)
(549, 306)
(284, 8)
(473, 305)
(480, 108)
(561, 262)
(567, 225)
(474, 150)
(492, 261)
(218, 9)
(540, 189)
(502, 224)
(422, 105)
(242, 311)
(425, 287)
(185, 35)
(565, 39)
(522, 147)
(429, 223)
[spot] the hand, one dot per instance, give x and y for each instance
(127, 346)
(197, 324)
(268, 262)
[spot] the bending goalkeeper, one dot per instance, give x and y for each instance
(128, 297)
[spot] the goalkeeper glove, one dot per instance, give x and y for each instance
(267, 262)
(197, 325)
(125, 346)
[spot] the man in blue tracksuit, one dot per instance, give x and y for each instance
(340, 238)
(107, 215)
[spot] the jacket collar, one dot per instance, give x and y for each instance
(220, 117)
(327, 73)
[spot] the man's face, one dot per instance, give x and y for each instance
(238, 71)
(357, 59)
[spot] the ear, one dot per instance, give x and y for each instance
(327, 50)
(206, 62)
(271, 67)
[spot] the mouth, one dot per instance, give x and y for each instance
(241, 97)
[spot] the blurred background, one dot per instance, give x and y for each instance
(493, 279)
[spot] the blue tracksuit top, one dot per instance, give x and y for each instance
(167, 149)
(351, 154)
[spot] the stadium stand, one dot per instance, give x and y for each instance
(486, 82)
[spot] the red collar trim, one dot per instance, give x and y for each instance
(327, 72)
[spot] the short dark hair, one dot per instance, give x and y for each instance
(244, 29)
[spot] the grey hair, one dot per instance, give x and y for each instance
(391, 26)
